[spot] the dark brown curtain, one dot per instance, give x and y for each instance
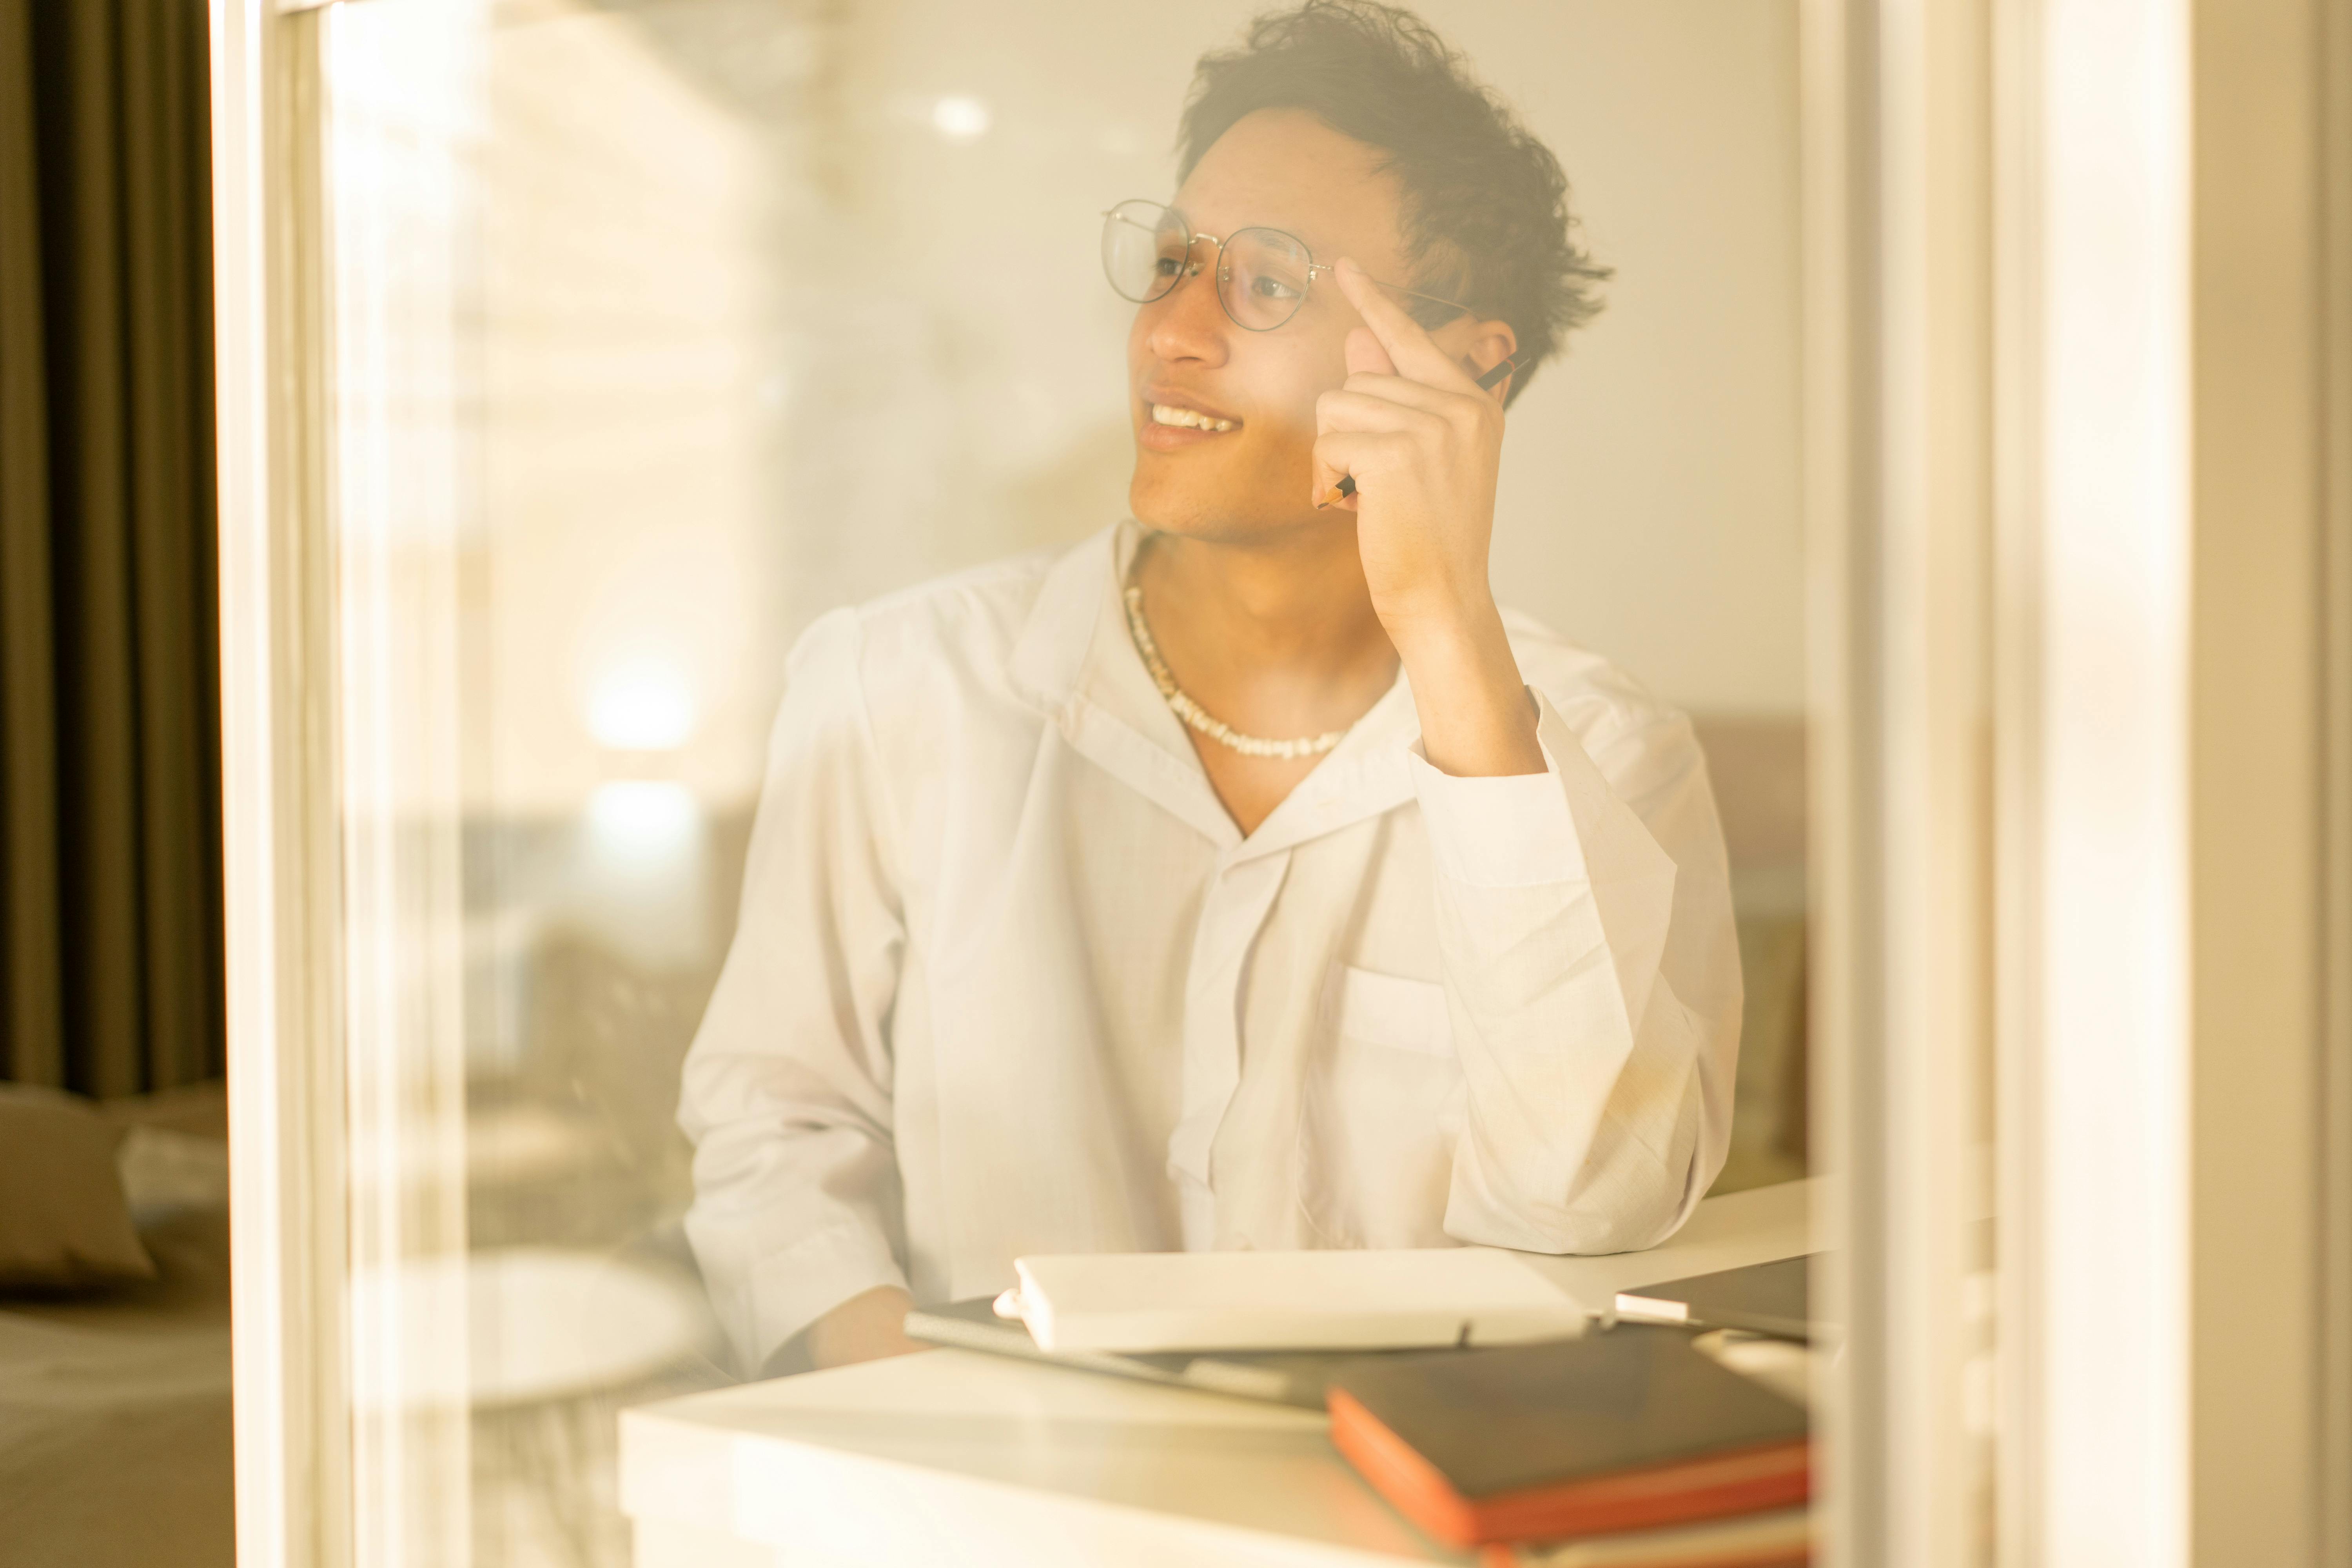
(110, 928)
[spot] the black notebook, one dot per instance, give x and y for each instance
(1763, 1297)
(1284, 1377)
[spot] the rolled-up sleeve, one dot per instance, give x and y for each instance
(1592, 973)
(787, 1089)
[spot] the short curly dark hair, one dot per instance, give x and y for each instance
(1486, 203)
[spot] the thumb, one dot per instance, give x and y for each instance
(1366, 356)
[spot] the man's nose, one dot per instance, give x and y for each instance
(1188, 323)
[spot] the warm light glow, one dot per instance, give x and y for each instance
(960, 119)
(640, 885)
(641, 704)
(640, 821)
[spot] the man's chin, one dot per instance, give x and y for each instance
(1215, 514)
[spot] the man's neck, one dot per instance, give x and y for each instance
(1276, 637)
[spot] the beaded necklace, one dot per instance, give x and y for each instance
(1193, 714)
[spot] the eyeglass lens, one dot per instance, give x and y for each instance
(1262, 274)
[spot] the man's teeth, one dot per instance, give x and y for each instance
(1163, 415)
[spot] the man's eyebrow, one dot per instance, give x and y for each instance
(1186, 220)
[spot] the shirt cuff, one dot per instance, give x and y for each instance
(779, 1294)
(1511, 832)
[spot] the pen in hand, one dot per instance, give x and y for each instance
(1346, 485)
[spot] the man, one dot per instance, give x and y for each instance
(1244, 877)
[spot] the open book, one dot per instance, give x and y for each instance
(1336, 1301)
(1284, 1378)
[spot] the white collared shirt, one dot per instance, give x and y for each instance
(1009, 980)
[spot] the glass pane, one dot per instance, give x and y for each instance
(663, 327)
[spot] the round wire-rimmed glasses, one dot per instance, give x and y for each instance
(1263, 273)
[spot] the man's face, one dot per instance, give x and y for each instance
(1280, 169)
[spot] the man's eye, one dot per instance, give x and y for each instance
(1265, 286)
(1171, 265)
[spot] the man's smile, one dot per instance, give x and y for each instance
(1173, 420)
(1169, 414)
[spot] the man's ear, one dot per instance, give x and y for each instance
(1489, 345)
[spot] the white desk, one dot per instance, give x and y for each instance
(954, 1457)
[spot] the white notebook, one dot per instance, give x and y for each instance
(1148, 1301)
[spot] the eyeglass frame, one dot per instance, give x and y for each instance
(1192, 269)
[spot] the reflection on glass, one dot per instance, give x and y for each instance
(665, 326)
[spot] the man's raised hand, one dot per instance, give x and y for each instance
(1422, 442)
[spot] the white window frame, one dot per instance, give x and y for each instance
(281, 847)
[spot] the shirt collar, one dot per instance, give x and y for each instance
(1075, 659)
(1058, 637)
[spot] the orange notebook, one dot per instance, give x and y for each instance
(1624, 1429)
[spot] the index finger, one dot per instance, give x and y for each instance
(1409, 344)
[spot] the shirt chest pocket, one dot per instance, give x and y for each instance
(1378, 1112)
